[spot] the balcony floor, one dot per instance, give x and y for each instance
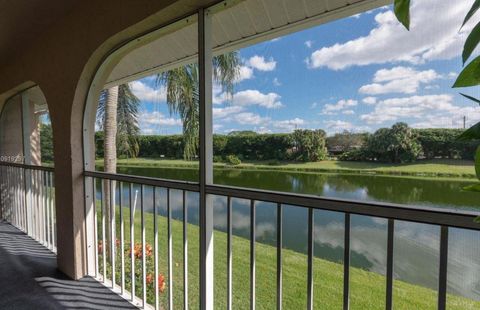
(29, 279)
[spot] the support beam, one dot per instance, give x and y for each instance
(206, 159)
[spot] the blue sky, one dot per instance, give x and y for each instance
(358, 74)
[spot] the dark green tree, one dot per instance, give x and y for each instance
(309, 144)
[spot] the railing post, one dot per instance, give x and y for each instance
(442, 278)
(346, 264)
(90, 225)
(206, 169)
(389, 275)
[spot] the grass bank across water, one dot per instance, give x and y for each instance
(424, 168)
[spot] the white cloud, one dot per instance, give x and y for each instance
(261, 124)
(217, 127)
(404, 80)
(348, 112)
(219, 113)
(331, 109)
(452, 75)
(338, 125)
(259, 63)
(434, 34)
(152, 122)
(254, 97)
(288, 125)
(369, 100)
(309, 43)
(218, 96)
(249, 118)
(147, 93)
(245, 73)
(335, 126)
(249, 97)
(276, 82)
(423, 108)
(313, 105)
(454, 119)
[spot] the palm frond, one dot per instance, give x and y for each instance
(226, 69)
(182, 86)
(127, 120)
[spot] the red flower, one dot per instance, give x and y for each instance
(161, 283)
(148, 250)
(100, 247)
(149, 278)
(137, 250)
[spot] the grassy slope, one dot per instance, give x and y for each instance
(447, 168)
(367, 288)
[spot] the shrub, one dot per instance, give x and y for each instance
(233, 160)
(46, 143)
(309, 145)
(398, 144)
(217, 159)
(444, 143)
(354, 155)
(345, 141)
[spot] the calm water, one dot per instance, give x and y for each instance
(416, 245)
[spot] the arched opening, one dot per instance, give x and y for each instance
(26, 129)
(27, 165)
(123, 106)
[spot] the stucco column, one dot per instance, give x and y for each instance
(69, 187)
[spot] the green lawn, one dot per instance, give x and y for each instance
(367, 288)
(428, 168)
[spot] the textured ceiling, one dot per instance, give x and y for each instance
(21, 21)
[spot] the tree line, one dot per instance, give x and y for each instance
(400, 144)
(301, 145)
(397, 144)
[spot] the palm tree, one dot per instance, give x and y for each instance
(125, 120)
(183, 93)
(117, 116)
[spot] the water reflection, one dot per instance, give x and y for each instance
(441, 193)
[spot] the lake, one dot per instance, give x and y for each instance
(416, 246)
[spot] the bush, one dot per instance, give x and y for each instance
(233, 160)
(217, 159)
(309, 145)
(398, 144)
(443, 143)
(46, 143)
(354, 155)
(345, 141)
